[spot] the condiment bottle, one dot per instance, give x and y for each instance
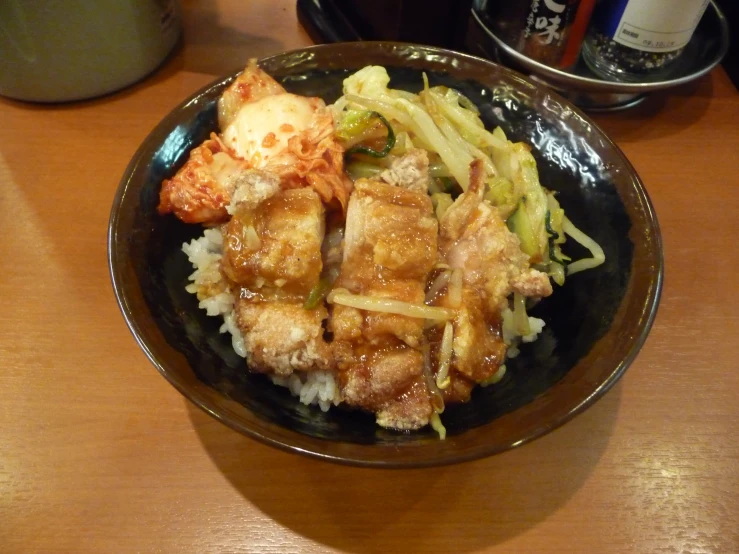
(639, 40)
(548, 31)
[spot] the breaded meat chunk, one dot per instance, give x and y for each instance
(409, 171)
(276, 244)
(389, 248)
(474, 238)
(282, 337)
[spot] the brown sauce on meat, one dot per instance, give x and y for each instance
(277, 244)
(379, 372)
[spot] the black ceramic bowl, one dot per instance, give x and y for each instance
(596, 322)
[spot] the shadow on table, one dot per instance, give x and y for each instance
(361, 510)
(677, 109)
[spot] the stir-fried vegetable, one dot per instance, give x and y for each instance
(361, 149)
(436, 120)
(355, 126)
(317, 294)
(533, 201)
(553, 235)
(445, 356)
(441, 201)
(437, 425)
(520, 223)
(361, 169)
(437, 400)
(456, 108)
(497, 376)
(520, 318)
(388, 305)
(500, 194)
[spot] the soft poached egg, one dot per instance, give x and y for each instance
(262, 128)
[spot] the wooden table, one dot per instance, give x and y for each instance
(98, 453)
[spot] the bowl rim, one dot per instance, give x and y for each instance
(153, 139)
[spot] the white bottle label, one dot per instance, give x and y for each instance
(659, 25)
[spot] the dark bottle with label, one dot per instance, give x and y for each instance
(548, 31)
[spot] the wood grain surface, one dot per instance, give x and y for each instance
(98, 453)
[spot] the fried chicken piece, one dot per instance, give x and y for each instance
(389, 248)
(282, 336)
(251, 85)
(475, 238)
(408, 412)
(492, 259)
(389, 382)
(459, 389)
(276, 244)
(272, 255)
(379, 374)
(478, 348)
(253, 187)
(391, 232)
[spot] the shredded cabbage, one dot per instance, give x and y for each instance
(533, 199)
(520, 317)
(371, 81)
(361, 169)
(465, 120)
(497, 376)
(500, 194)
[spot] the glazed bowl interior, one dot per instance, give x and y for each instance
(595, 323)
